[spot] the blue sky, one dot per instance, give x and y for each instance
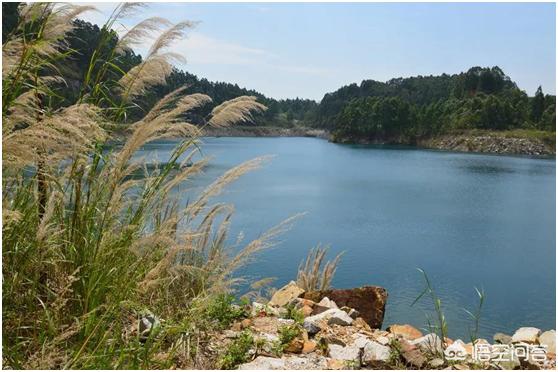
(288, 50)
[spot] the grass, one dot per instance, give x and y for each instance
(87, 248)
(313, 275)
(237, 351)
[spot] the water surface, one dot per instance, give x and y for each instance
(468, 220)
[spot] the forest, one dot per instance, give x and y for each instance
(401, 110)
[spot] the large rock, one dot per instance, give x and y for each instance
(529, 335)
(313, 324)
(286, 294)
(375, 354)
(262, 363)
(405, 330)
(369, 301)
(311, 361)
(411, 354)
(548, 338)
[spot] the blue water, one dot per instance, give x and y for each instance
(468, 220)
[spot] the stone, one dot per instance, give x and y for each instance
(307, 362)
(147, 324)
(431, 343)
(336, 364)
(229, 333)
(529, 335)
(313, 324)
(411, 354)
(295, 346)
(245, 323)
(360, 340)
(326, 302)
(346, 353)
(259, 309)
(405, 330)
(502, 338)
(361, 323)
(369, 301)
(236, 326)
(286, 294)
(382, 340)
(308, 347)
(263, 363)
(436, 363)
(548, 338)
(306, 310)
(351, 312)
(456, 351)
(375, 353)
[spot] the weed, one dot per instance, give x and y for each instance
(237, 351)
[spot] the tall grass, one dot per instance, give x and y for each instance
(86, 247)
(314, 274)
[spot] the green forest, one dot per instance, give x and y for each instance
(401, 110)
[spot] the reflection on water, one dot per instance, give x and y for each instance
(469, 220)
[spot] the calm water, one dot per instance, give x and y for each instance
(468, 220)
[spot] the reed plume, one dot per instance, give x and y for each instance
(311, 275)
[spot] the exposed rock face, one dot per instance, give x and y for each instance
(286, 295)
(348, 353)
(369, 301)
(313, 324)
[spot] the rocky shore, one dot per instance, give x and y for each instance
(491, 144)
(342, 329)
(255, 131)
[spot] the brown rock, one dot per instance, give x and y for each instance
(286, 294)
(335, 364)
(405, 330)
(236, 326)
(306, 310)
(369, 301)
(361, 323)
(412, 355)
(295, 346)
(308, 347)
(245, 323)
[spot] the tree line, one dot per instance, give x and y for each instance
(402, 109)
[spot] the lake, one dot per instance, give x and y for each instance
(468, 220)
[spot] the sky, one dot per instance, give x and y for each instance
(288, 50)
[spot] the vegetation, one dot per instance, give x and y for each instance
(237, 351)
(311, 275)
(87, 249)
(407, 110)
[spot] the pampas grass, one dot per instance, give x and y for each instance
(86, 246)
(312, 274)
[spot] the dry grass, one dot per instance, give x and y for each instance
(87, 247)
(311, 275)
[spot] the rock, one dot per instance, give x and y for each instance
(461, 367)
(361, 323)
(245, 323)
(306, 310)
(456, 351)
(360, 340)
(308, 347)
(229, 333)
(347, 353)
(507, 359)
(262, 363)
(375, 353)
(286, 294)
(307, 362)
(295, 346)
(529, 335)
(326, 302)
(431, 343)
(411, 354)
(333, 340)
(548, 338)
(436, 363)
(405, 330)
(382, 340)
(147, 324)
(236, 326)
(313, 324)
(336, 364)
(369, 301)
(351, 312)
(259, 309)
(502, 338)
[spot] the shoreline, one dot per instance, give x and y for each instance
(503, 143)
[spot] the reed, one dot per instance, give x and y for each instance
(87, 248)
(313, 275)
